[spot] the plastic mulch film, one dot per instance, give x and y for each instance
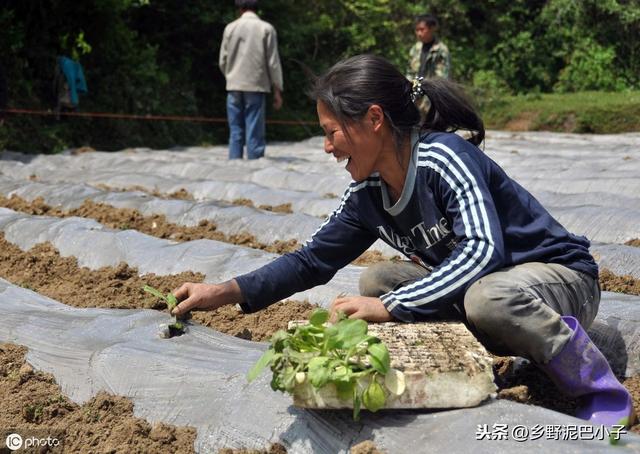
(198, 379)
(265, 226)
(589, 183)
(618, 327)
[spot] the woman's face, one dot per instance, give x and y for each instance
(360, 149)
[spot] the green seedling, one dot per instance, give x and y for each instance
(342, 354)
(177, 327)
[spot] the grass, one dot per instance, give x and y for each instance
(585, 112)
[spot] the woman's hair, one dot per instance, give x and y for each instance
(351, 86)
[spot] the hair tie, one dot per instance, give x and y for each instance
(416, 89)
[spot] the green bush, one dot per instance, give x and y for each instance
(488, 89)
(591, 67)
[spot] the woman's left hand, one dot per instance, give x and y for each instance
(364, 307)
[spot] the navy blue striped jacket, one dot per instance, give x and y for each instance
(459, 215)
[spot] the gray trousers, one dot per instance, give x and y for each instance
(514, 311)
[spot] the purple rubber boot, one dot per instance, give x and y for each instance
(581, 370)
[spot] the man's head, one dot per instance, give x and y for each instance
(426, 27)
(247, 4)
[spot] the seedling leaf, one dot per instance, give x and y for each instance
(395, 382)
(373, 397)
(172, 301)
(264, 360)
(344, 390)
(342, 354)
(319, 317)
(379, 358)
(154, 292)
(357, 402)
(351, 332)
(318, 374)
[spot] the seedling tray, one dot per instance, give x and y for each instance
(444, 366)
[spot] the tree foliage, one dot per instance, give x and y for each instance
(160, 56)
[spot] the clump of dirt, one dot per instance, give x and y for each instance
(635, 242)
(259, 326)
(43, 270)
(365, 447)
(156, 225)
(371, 257)
(180, 194)
(528, 384)
(32, 402)
(620, 284)
(275, 448)
(282, 208)
(283, 246)
(243, 202)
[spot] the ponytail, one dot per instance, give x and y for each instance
(450, 109)
(351, 86)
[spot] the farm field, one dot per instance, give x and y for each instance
(83, 231)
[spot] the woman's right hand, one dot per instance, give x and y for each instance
(206, 297)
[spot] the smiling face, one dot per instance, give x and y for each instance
(360, 149)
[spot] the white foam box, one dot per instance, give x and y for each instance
(443, 364)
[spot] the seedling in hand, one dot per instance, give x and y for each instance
(177, 327)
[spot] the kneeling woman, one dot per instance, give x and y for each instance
(482, 249)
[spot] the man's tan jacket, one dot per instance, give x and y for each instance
(249, 56)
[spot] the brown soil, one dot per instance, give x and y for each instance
(365, 447)
(180, 194)
(282, 208)
(156, 225)
(524, 122)
(33, 405)
(43, 270)
(275, 448)
(620, 284)
(529, 385)
(635, 242)
(371, 257)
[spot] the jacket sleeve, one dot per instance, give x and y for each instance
(336, 243)
(222, 58)
(273, 59)
(443, 63)
(458, 182)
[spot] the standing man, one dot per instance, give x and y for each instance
(428, 57)
(250, 63)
